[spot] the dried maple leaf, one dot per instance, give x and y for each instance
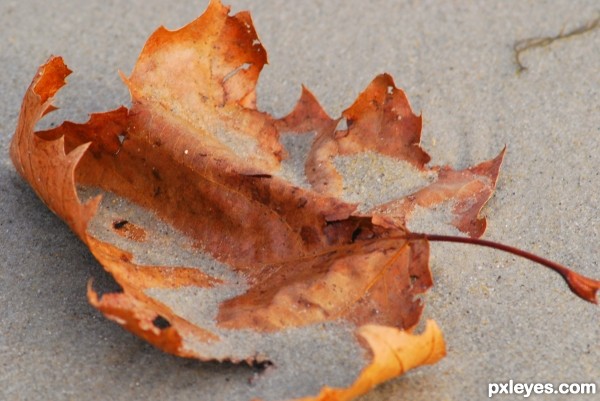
(228, 241)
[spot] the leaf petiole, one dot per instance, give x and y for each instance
(584, 287)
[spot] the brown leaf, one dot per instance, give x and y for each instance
(224, 247)
(383, 131)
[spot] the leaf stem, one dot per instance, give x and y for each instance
(584, 287)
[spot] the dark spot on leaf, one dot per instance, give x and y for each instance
(128, 230)
(356, 233)
(161, 323)
(119, 224)
(301, 202)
